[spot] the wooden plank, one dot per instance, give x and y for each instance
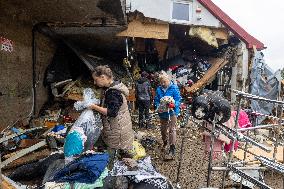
(137, 28)
(23, 152)
(19, 134)
(7, 183)
(217, 64)
(240, 154)
(29, 158)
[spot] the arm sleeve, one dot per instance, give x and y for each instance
(150, 91)
(113, 101)
(157, 99)
(177, 98)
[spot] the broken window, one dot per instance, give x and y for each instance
(181, 11)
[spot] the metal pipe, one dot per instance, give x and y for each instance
(245, 156)
(34, 68)
(254, 97)
(256, 114)
(234, 140)
(258, 127)
(181, 155)
(240, 168)
(211, 152)
(126, 46)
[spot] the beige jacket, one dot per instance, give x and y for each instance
(117, 131)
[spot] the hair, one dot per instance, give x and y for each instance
(102, 70)
(164, 76)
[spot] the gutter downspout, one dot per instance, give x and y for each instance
(33, 111)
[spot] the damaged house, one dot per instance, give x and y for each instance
(49, 49)
(191, 33)
(194, 34)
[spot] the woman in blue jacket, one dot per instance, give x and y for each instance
(168, 118)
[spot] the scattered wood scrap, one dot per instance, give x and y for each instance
(217, 64)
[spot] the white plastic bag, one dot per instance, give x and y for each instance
(89, 99)
(87, 128)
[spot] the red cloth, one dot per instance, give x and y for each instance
(217, 147)
(243, 122)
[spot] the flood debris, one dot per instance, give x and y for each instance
(228, 95)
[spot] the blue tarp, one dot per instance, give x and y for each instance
(265, 83)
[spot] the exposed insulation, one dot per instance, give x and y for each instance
(205, 34)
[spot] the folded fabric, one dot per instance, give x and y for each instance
(86, 169)
(145, 173)
(98, 184)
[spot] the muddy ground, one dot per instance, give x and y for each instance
(194, 166)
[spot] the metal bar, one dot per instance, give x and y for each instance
(23, 152)
(3, 139)
(244, 138)
(271, 164)
(277, 131)
(232, 135)
(234, 140)
(259, 127)
(240, 168)
(254, 113)
(245, 156)
(249, 178)
(126, 47)
(181, 155)
(211, 152)
(254, 97)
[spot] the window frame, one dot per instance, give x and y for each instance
(190, 11)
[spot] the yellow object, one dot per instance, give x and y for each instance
(137, 28)
(138, 150)
(50, 124)
(205, 34)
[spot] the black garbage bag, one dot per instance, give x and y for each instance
(34, 170)
(200, 107)
(220, 107)
(152, 183)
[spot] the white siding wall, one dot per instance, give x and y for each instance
(161, 9)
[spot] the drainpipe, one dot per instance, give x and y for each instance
(33, 111)
(35, 29)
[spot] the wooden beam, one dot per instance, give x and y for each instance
(217, 64)
(29, 158)
(23, 152)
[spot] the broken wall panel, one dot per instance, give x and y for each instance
(205, 34)
(146, 30)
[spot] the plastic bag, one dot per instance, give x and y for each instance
(138, 150)
(87, 128)
(89, 98)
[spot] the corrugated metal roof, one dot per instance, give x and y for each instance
(232, 25)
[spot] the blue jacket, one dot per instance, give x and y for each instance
(172, 91)
(86, 169)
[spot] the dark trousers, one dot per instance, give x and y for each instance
(143, 107)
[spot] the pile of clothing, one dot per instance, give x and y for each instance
(189, 72)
